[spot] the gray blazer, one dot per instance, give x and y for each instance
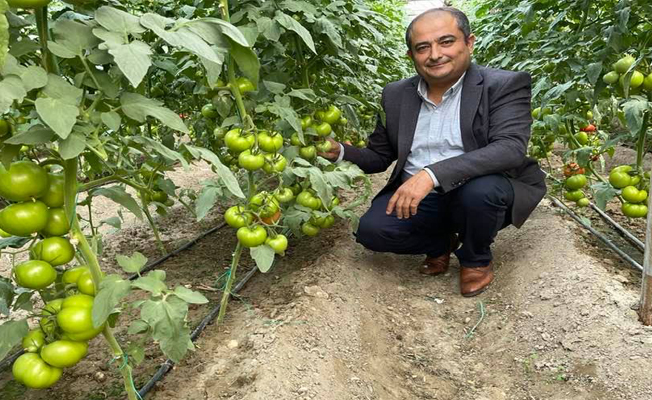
(495, 125)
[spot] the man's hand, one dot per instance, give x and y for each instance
(407, 197)
(333, 153)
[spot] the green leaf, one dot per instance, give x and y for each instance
(190, 296)
(133, 59)
(152, 282)
(274, 87)
(318, 182)
(557, 91)
(131, 264)
(226, 28)
(11, 89)
(634, 110)
(326, 26)
(602, 194)
(247, 61)
(112, 120)
(138, 326)
(120, 196)
(72, 146)
(224, 174)
(11, 334)
(60, 50)
(594, 71)
(118, 21)
(112, 289)
(206, 201)
(264, 257)
(167, 318)
(139, 107)
(75, 36)
(33, 77)
(59, 88)
(6, 295)
(304, 94)
(291, 24)
(289, 115)
(161, 149)
(37, 134)
(57, 114)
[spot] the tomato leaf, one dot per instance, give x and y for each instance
(152, 282)
(58, 115)
(72, 146)
(118, 21)
(634, 109)
(594, 71)
(602, 193)
(326, 26)
(133, 59)
(112, 289)
(289, 23)
(131, 264)
(11, 89)
(190, 296)
(120, 196)
(167, 318)
(264, 257)
(11, 333)
(206, 201)
(247, 61)
(139, 107)
(225, 175)
(112, 120)
(304, 94)
(35, 135)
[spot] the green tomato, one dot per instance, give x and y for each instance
(309, 229)
(583, 202)
(343, 121)
(324, 129)
(647, 82)
(54, 250)
(5, 234)
(582, 138)
(238, 143)
(72, 275)
(324, 147)
(619, 177)
(306, 199)
(28, 4)
(33, 341)
(237, 217)
(574, 195)
(5, 127)
(219, 132)
(78, 300)
(278, 243)
(632, 195)
(57, 224)
(306, 122)
(209, 111)
(64, 353)
(610, 77)
(335, 201)
(30, 370)
(75, 319)
(23, 219)
(85, 283)
(23, 181)
(621, 66)
(270, 143)
(274, 163)
(332, 115)
(251, 237)
(285, 195)
(327, 221)
(634, 210)
(635, 81)
(308, 152)
(251, 162)
(159, 196)
(35, 274)
(244, 85)
(265, 204)
(576, 182)
(295, 140)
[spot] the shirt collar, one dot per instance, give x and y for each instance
(422, 88)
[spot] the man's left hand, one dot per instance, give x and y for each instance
(407, 197)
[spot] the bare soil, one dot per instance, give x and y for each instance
(335, 321)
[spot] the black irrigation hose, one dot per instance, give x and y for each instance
(597, 234)
(628, 235)
(7, 361)
(168, 364)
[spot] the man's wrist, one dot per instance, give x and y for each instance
(433, 177)
(341, 156)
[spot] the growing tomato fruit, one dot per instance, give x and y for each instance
(270, 143)
(72, 275)
(23, 181)
(647, 82)
(572, 168)
(583, 202)
(85, 283)
(75, 320)
(309, 229)
(622, 65)
(324, 147)
(30, 370)
(576, 182)
(272, 219)
(308, 152)
(285, 195)
(635, 81)
(343, 121)
(33, 341)
(574, 195)
(251, 237)
(28, 4)
(619, 177)
(274, 163)
(249, 161)
(306, 122)
(236, 142)
(5, 127)
(632, 195)
(78, 300)
(5, 234)
(237, 217)
(610, 77)
(324, 129)
(57, 224)
(264, 204)
(278, 243)
(327, 222)
(244, 85)
(35, 274)
(332, 115)
(53, 250)
(23, 219)
(306, 199)
(295, 140)
(159, 196)
(634, 210)
(209, 111)
(64, 353)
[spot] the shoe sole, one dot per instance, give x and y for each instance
(477, 292)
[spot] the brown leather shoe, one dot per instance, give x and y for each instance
(474, 281)
(439, 265)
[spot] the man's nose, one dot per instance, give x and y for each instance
(435, 52)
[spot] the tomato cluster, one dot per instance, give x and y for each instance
(634, 190)
(574, 183)
(637, 80)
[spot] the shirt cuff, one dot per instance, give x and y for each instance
(341, 156)
(432, 176)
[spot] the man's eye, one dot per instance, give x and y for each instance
(447, 42)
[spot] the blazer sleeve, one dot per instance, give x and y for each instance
(379, 153)
(508, 134)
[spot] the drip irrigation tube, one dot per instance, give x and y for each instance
(168, 364)
(10, 359)
(628, 235)
(597, 234)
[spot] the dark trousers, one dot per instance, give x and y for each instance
(476, 211)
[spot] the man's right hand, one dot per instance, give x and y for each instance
(333, 153)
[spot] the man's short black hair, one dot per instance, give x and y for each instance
(460, 17)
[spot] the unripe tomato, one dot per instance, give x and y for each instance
(583, 202)
(54, 250)
(647, 82)
(251, 237)
(285, 195)
(57, 224)
(23, 219)
(610, 77)
(308, 152)
(78, 300)
(85, 283)
(576, 182)
(249, 161)
(306, 199)
(332, 115)
(75, 319)
(634, 210)
(209, 111)
(236, 217)
(5, 127)
(619, 177)
(159, 196)
(306, 122)
(633, 195)
(270, 143)
(238, 143)
(23, 181)
(33, 341)
(72, 275)
(278, 243)
(574, 195)
(64, 353)
(274, 163)
(5, 234)
(324, 129)
(244, 85)
(635, 81)
(324, 147)
(35, 274)
(30, 370)
(309, 229)
(582, 138)
(295, 140)
(621, 66)
(327, 221)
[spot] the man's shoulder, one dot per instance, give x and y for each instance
(499, 76)
(410, 82)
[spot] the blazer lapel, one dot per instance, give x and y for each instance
(471, 93)
(409, 114)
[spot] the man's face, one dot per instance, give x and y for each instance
(439, 51)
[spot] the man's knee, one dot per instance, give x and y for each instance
(375, 234)
(493, 191)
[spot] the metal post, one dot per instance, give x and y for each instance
(646, 287)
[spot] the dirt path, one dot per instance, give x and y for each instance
(335, 321)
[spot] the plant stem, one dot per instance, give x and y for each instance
(70, 204)
(157, 236)
(640, 145)
(229, 283)
(43, 33)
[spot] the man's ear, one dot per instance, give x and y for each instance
(470, 42)
(409, 54)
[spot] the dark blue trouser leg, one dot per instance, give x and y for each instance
(477, 211)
